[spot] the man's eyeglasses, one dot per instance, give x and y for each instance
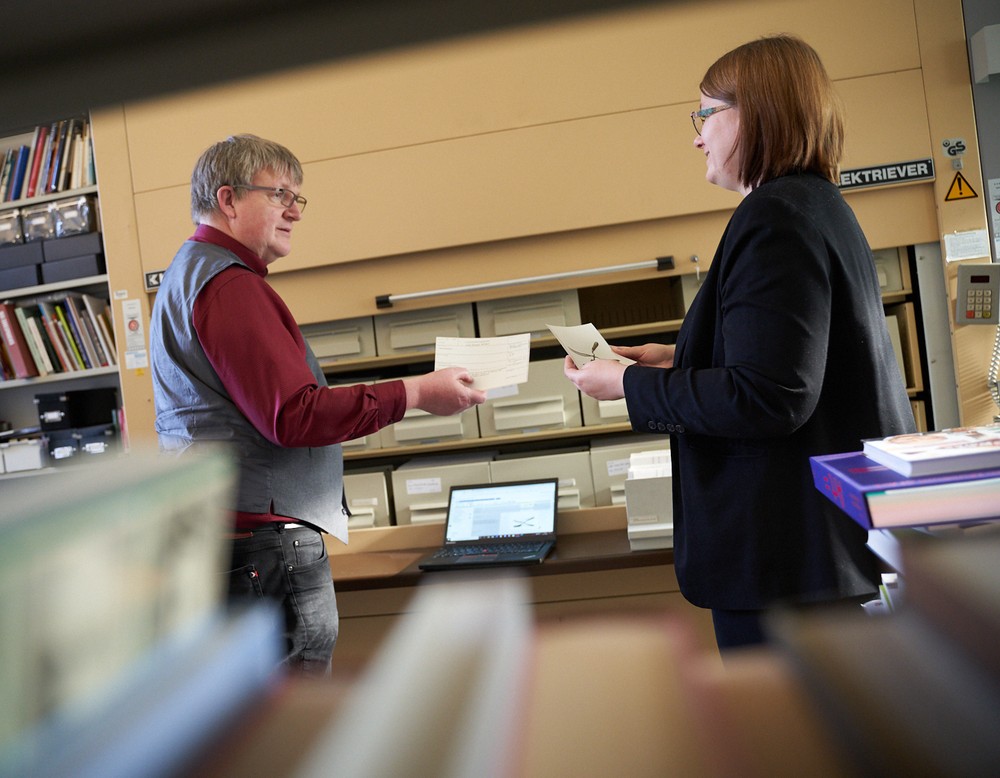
(698, 117)
(285, 197)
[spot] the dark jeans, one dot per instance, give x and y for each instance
(290, 566)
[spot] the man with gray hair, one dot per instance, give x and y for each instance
(230, 367)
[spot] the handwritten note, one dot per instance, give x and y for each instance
(585, 344)
(492, 362)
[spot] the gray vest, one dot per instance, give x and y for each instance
(192, 407)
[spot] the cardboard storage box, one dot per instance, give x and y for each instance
(420, 487)
(73, 268)
(74, 246)
(546, 401)
(367, 496)
(609, 463)
(346, 339)
(414, 331)
(530, 313)
(572, 468)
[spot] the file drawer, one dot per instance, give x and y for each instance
(415, 331)
(547, 400)
(531, 313)
(420, 487)
(572, 468)
(346, 339)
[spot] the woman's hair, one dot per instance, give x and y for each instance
(236, 160)
(791, 120)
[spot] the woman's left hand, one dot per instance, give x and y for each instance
(602, 379)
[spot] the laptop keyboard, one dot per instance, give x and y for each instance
(492, 548)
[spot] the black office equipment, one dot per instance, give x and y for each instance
(497, 524)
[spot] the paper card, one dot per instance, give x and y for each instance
(584, 343)
(492, 362)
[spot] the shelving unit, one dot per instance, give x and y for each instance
(899, 300)
(17, 395)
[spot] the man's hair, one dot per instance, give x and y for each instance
(233, 161)
(791, 119)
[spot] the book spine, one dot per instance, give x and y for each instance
(29, 336)
(74, 349)
(79, 327)
(20, 169)
(18, 352)
(5, 171)
(56, 337)
(841, 493)
(36, 164)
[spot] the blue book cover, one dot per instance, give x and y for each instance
(20, 168)
(876, 496)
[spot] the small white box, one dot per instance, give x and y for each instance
(547, 400)
(420, 487)
(337, 340)
(367, 495)
(650, 513)
(530, 313)
(889, 269)
(576, 484)
(420, 427)
(609, 463)
(24, 455)
(597, 412)
(415, 331)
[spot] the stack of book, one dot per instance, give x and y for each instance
(59, 158)
(916, 692)
(947, 476)
(117, 655)
(57, 333)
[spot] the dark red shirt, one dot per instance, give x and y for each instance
(258, 352)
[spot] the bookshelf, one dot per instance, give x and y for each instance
(51, 250)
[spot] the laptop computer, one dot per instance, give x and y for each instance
(488, 525)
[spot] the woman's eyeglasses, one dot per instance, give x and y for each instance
(698, 117)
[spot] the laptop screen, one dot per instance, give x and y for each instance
(504, 511)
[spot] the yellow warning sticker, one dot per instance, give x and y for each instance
(960, 189)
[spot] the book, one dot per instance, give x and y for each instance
(97, 311)
(19, 170)
(938, 451)
(34, 344)
(18, 352)
(876, 496)
(75, 350)
(56, 337)
(73, 308)
(169, 512)
(36, 163)
(5, 173)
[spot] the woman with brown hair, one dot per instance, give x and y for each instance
(784, 354)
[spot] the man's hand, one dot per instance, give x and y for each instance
(444, 392)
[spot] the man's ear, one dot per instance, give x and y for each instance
(226, 197)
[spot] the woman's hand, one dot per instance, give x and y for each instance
(648, 355)
(600, 379)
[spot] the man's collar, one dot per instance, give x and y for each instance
(208, 234)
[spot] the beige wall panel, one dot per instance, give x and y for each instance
(886, 119)
(550, 73)
(547, 179)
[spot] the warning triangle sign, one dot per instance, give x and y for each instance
(960, 189)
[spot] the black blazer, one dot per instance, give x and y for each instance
(784, 355)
